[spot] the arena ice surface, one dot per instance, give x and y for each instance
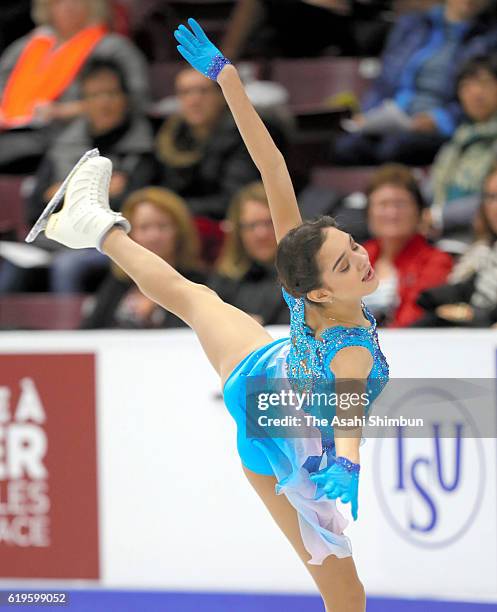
(157, 601)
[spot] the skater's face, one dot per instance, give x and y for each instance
(478, 95)
(257, 232)
(392, 213)
(155, 230)
(68, 17)
(490, 201)
(345, 269)
(201, 102)
(105, 102)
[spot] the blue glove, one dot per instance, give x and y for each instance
(198, 50)
(340, 480)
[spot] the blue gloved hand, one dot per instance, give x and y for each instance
(340, 480)
(198, 50)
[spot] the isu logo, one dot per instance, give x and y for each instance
(430, 489)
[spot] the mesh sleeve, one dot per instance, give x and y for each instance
(344, 340)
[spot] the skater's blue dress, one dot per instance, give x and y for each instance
(303, 360)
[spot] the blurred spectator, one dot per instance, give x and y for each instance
(38, 75)
(404, 262)
(161, 223)
(109, 124)
(120, 134)
(462, 164)
(417, 81)
(203, 157)
(245, 273)
(305, 28)
(470, 297)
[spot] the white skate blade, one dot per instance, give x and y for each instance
(41, 224)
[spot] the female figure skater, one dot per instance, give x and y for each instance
(324, 274)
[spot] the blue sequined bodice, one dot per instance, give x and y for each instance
(309, 357)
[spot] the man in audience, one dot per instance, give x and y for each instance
(109, 124)
(120, 134)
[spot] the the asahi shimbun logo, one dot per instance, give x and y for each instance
(430, 489)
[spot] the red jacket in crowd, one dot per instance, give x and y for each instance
(419, 266)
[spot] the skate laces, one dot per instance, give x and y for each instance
(86, 209)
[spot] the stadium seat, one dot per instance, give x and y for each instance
(120, 17)
(311, 82)
(352, 179)
(203, 9)
(12, 217)
(162, 76)
(40, 311)
(211, 238)
(342, 180)
(154, 21)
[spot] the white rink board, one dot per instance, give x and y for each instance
(176, 511)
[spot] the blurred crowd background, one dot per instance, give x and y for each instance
(386, 112)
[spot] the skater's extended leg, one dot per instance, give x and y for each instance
(226, 333)
(336, 579)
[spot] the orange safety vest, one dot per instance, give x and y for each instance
(42, 72)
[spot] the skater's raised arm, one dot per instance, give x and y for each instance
(206, 58)
(265, 154)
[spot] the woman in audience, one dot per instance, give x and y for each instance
(417, 80)
(161, 223)
(470, 297)
(38, 75)
(462, 164)
(245, 272)
(404, 262)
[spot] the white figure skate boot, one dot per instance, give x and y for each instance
(86, 216)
